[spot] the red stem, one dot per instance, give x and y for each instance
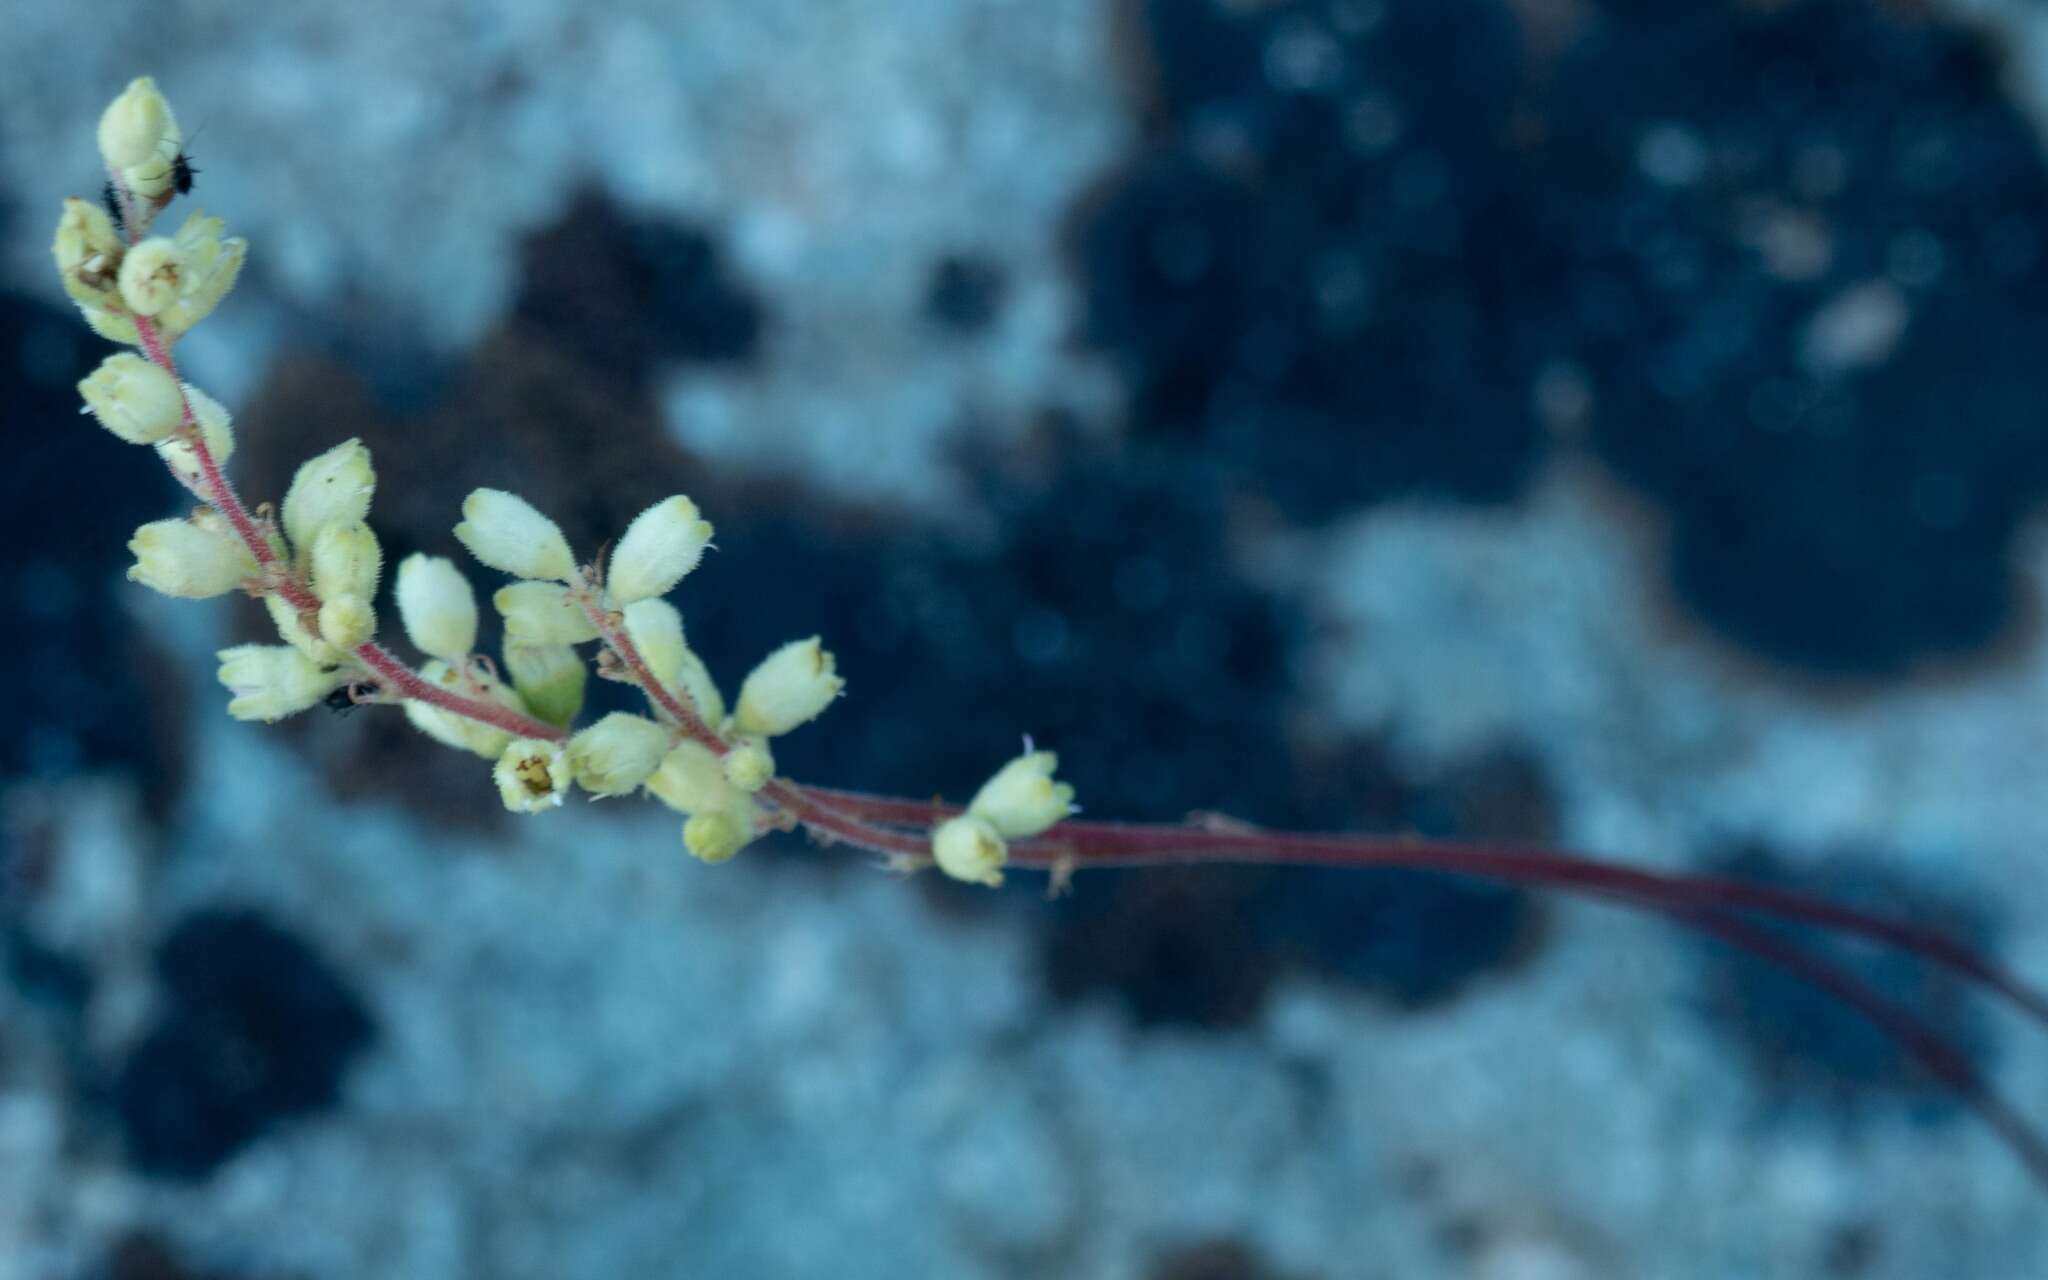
(822, 816)
(220, 493)
(396, 675)
(1082, 845)
(1934, 1052)
(679, 713)
(1700, 902)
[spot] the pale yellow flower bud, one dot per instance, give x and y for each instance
(1022, 799)
(617, 754)
(792, 685)
(215, 427)
(701, 689)
(346, 560)
(292, 630)
(208, 268)
(133, 398)
(454, 730)
(347, 621)
(153, 178)
(662, 544)
(272, 681)
(437, 606)
(87, 248)
(543, 613)
(88, 254)
(656, 630)
(968, 848)
(551, 678)
(749, 765)
(532, 775)
(715, 835)
(691, 780)
(136, 126)
(184, 558)
(505, 532)
(150, 272)
(333, 488)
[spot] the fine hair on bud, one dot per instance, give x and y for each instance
(436, 606)
(133, 398)
(792, 685)
(332, 488)
(662, 544)
(504, 531)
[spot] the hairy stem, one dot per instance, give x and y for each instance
(819, 815)
(407, 683)
(219, 493)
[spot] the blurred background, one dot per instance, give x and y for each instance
(1597, 422)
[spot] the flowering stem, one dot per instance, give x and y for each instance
(680, 713)
(818, 813)
(407, 683)
(220, 494)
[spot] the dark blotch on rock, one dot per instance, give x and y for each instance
(1309, 267)
(624, 294)
(1810, 295)
(1199, 947)
(77, 695)
(256, 1029)
(965, 294)
(1213, 1260)
(143, 1255)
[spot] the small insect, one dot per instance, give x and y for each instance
(113, 204)
(342, 700)
(183, 171)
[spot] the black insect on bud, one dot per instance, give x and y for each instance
(113, 204)
(182, 173)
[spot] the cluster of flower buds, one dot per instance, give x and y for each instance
(318, 568)
(175, 281)
(1021, 800)
(554, 605)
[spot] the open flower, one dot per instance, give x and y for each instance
(532, 776)
(179, 280)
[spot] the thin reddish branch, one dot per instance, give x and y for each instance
(407, 682)
(1079, 845)
(219, 492)
(821, 815)
(1934, 1052)
(679, 713)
